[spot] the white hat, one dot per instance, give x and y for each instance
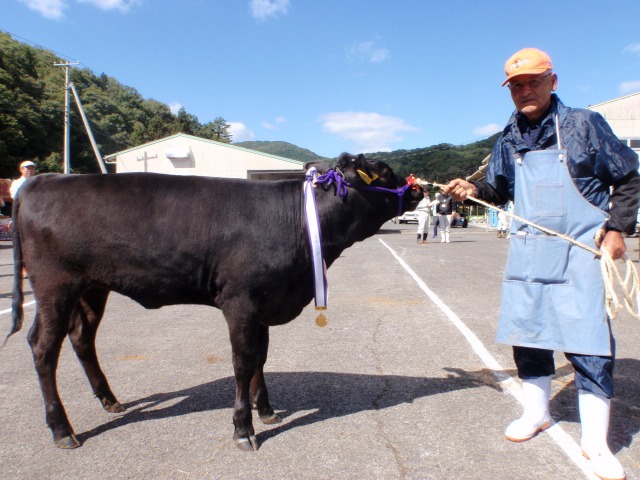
(27, 163)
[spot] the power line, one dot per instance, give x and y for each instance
(62, 55)
(30, 42)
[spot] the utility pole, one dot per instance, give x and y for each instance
(67, 125)
(69, 86)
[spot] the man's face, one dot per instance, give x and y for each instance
(531, 94)
(27, 171)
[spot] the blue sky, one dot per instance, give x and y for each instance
(347, 75)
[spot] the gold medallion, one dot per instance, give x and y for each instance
(321, 320)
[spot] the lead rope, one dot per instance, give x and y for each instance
(630, 286)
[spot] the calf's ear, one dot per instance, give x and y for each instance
(354, 168)
(345, 160)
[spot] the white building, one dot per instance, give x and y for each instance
(623, 114)
(182, 154)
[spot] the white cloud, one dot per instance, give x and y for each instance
(633, 48)
(370, 132)
(264, 9)
(487, 130)
(175, 107)
(273, 125)
(52, 9)
(368, 51)
(122, 5)
(240, 132)
(629, 87)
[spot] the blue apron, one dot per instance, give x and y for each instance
(552, 292)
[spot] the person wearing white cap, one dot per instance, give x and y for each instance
(28, 170)
(564, 169)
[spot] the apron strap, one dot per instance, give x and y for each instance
(558, 132)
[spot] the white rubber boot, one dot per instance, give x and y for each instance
(446, 236)
(535, 418)
(594, 417)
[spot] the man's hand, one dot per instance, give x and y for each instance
(614, 244)
(460, 189)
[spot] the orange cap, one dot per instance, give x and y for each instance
(528, 61)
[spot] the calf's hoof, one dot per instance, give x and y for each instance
(113, 407)
(271, 419)
(247, 444)
(68, 442)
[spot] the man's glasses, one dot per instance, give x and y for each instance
(532, 84)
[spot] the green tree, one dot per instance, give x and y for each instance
(217, 130)
(187, 123)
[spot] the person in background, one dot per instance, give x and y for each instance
(434, 214)
(28, 170)
(445, 210)
(504, 220)
(423, 210)
(558, 165)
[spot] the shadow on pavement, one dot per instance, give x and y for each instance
(329, 395)
(326, 394)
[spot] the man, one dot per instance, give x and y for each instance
(27, 169)
(423, 209)
(504, 220)
(445, 212)
(556, 164)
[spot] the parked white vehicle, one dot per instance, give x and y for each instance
(406, 217)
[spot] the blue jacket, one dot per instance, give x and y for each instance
(597, 161)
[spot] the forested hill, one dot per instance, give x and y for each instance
(32, 122)
(439, 163)
(283, 149)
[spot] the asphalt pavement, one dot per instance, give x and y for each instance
(405, 382)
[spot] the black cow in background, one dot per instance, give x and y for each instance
(238, 245)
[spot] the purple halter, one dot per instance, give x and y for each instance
(398, 191)
(333, 175)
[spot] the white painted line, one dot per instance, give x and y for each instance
(556, 432)
(26, 304)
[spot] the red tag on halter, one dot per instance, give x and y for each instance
(413, 182)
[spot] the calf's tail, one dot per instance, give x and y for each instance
(17, 312)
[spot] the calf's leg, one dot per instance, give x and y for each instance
(85, 321)
(259, 393)
(45, 337)
(244, 335)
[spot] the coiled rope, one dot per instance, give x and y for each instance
(630, 286)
